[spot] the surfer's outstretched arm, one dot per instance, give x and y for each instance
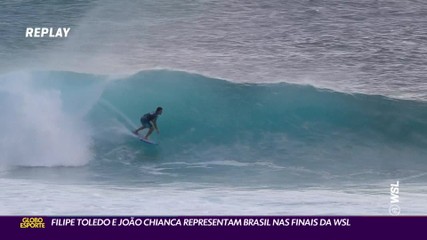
(155, 126)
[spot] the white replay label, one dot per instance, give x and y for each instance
(45, 32)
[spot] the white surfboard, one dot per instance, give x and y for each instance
(145, 140)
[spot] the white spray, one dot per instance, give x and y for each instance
(34, 129)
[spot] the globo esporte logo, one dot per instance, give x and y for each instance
(32, 222)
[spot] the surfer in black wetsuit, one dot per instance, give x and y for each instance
(149, 120)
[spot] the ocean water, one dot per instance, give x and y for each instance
(283, 107)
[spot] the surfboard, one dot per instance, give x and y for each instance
(146, 141)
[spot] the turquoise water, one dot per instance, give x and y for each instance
(212, 130)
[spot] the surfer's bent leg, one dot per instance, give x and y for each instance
(139, 129)
(149, 133)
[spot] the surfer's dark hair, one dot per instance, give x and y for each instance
(159, 109)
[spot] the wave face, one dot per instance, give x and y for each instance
(211, 129)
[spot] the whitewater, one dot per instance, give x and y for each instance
(296, 108)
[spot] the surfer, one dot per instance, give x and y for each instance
(149, 120)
